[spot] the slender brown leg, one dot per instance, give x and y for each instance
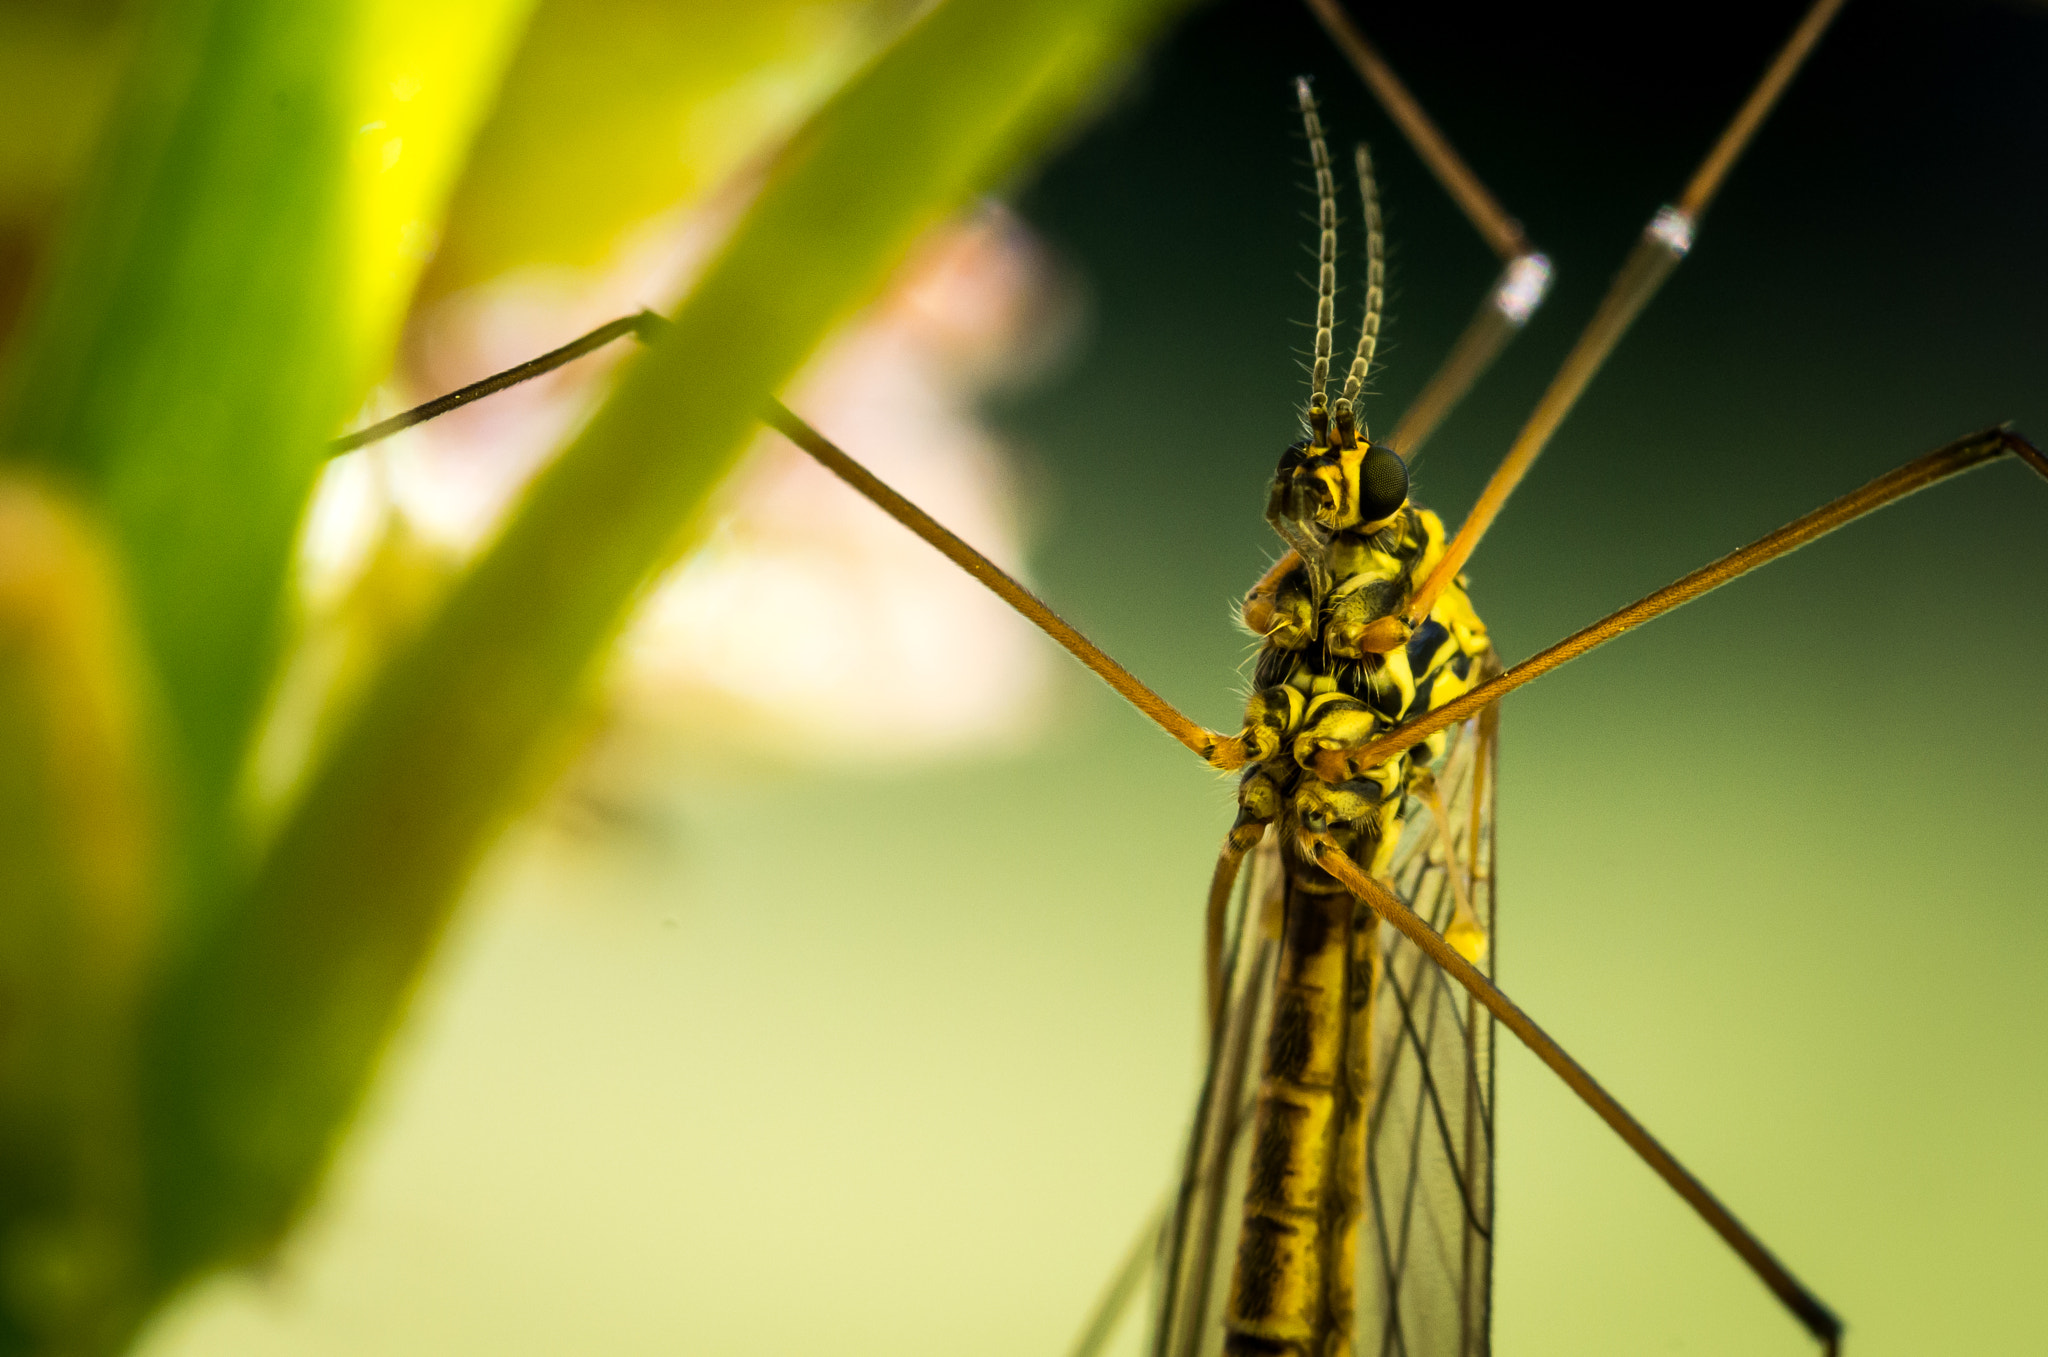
(1223, 751)
(1227, 751)
(1502, 233)
(1820, 1321)
(1219, 750)
(1525, 278)
(1131, 1272)
(1337, 764)
(1517, 293)
(1228, 861)
(640, 325)
(1663, 243)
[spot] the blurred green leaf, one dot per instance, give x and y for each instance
(263, 1044)
(617, 110)
(59, 60)
(78, 897)
(235, 269)
(423, 79)
(57, 69)
(233, 275)
(187, 355)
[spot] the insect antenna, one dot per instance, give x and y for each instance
(1375, 291)
(1326, 262)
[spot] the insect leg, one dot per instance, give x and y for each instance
(1222, 751)
(1131, 1271)
(1820, 1321)
(1227, 751)
(1503, 234)
(1525, 276)
(640, 325)
(1243, 838)
(1335, 764)
(1663, 243)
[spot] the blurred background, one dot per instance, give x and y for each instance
(880, 1032)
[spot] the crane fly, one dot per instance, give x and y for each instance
(1338, 1190)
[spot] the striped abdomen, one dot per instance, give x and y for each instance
(1292, 1289)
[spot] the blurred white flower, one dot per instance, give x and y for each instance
(808, 625)
(811, 622)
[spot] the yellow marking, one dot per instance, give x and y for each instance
(1328, 695)
(1351, 459)
(1303, 1115)
(1277, 1289)
(1433, 542)
(1334, 492)
(1347, 1188)
(1466, 933)
(1454, 611)
(1294, 708)
(1340, 724)
(1357, 562)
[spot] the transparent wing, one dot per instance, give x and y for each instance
(1427, 1256)
(1199, 1243)
(1426, 1263)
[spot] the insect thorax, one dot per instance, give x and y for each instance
(1342, 669)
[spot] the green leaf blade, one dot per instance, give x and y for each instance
(268, 1039)
(186, 357)
(78, 900)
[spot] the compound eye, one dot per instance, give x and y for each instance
(1382, 484)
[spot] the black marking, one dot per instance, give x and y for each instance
(1273, 1149)
(1293, 1038)
(1425, 643)
(1383, 694)
(1381, 598)
(1419, 705)
(1251, 1345)
(1370, 785)
(1261, 1252)
(1358, 993)
(1309, 877)
(1274, 665)
(1308, 928)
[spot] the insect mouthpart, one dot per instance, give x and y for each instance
(1299, 507)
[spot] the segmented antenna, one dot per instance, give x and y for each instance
(1375, 284)
(1326, 254)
